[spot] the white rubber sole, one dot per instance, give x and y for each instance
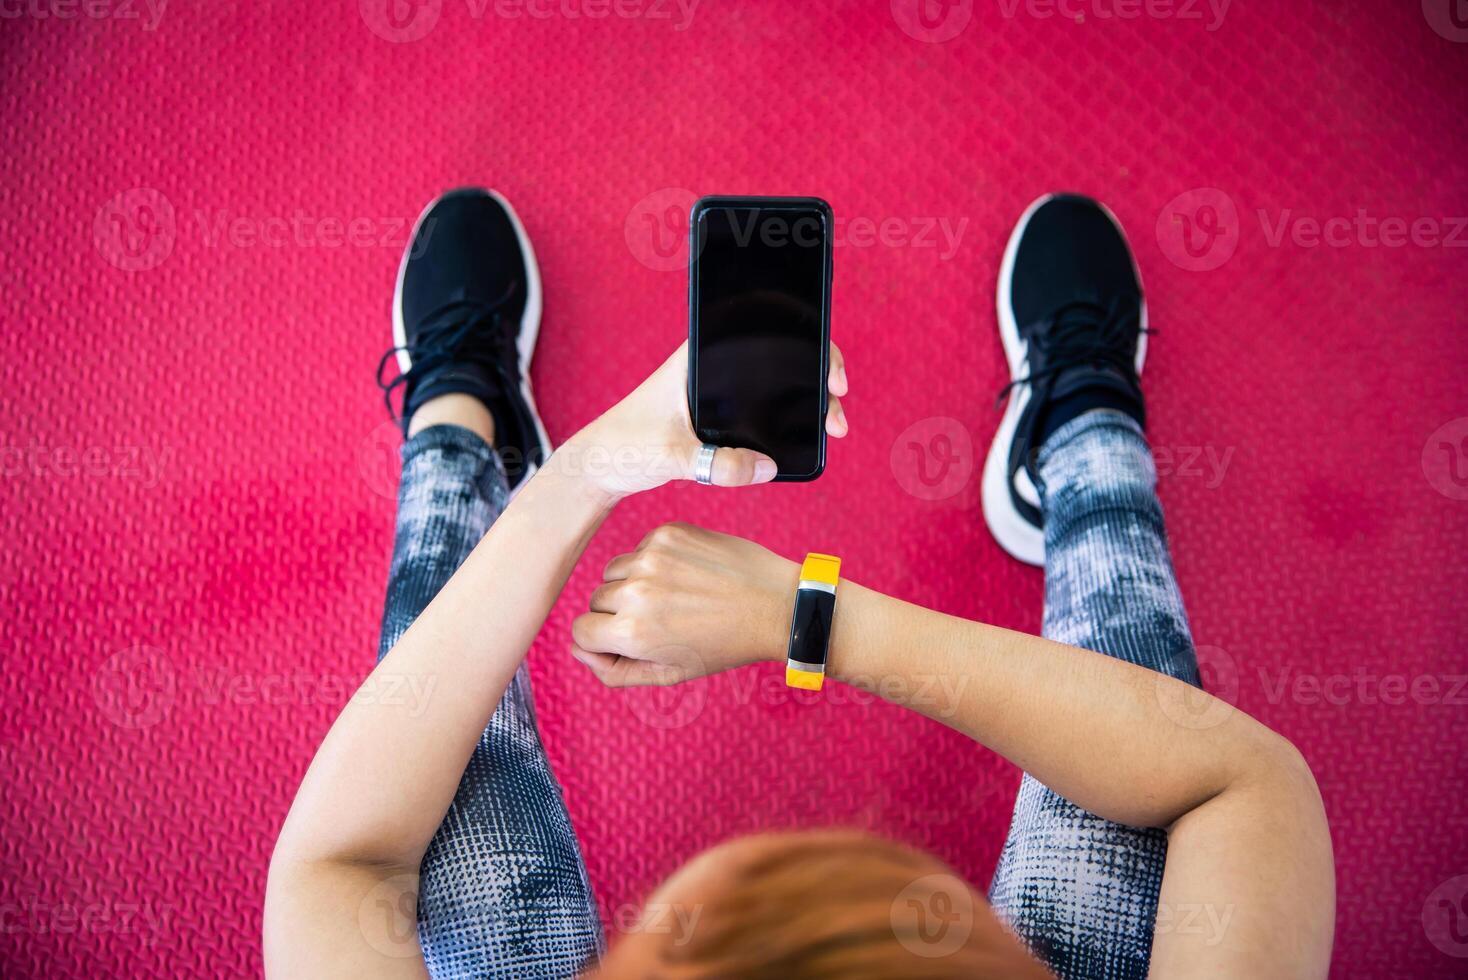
(1016, 535)
(529, 320)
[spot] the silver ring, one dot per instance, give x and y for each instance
(703, 465)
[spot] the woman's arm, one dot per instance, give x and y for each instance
(346, 862)
(1248, 837)
(342, 892)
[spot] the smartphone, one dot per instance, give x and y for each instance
(759, 327)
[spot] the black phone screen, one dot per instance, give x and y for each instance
(759, 290)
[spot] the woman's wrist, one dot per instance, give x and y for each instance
(567, 469)
(778, 605)
(614, 467)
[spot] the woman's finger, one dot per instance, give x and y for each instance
(836, 419)
(616, 671)
(600, 664)
(597, 632)
(737, 467)
(742, 467)
(836, 382)
(607, 597)
(619, 568)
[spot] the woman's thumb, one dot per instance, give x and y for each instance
(741, 467)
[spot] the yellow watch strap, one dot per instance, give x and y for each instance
(821, 568)
(806, 680)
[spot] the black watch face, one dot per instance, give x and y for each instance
(810, 629)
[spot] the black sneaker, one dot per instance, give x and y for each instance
(465, 318)
(1072, 319)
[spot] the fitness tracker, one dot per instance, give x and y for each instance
(810, 626)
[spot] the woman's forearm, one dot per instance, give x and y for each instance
(388, 769)
(1248, 840)
(1109, 736)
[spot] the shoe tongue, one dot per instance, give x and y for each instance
(1082, 376)
(466, 378)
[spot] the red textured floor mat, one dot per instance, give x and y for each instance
(202, 209)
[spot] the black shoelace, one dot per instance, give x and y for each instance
(1083, 332)
(464, 330)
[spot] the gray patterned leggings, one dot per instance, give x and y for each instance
(504, 889)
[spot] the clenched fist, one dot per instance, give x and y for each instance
(688, 602)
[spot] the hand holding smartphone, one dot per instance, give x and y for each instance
(759, 330)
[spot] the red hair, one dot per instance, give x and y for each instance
(831, 904)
